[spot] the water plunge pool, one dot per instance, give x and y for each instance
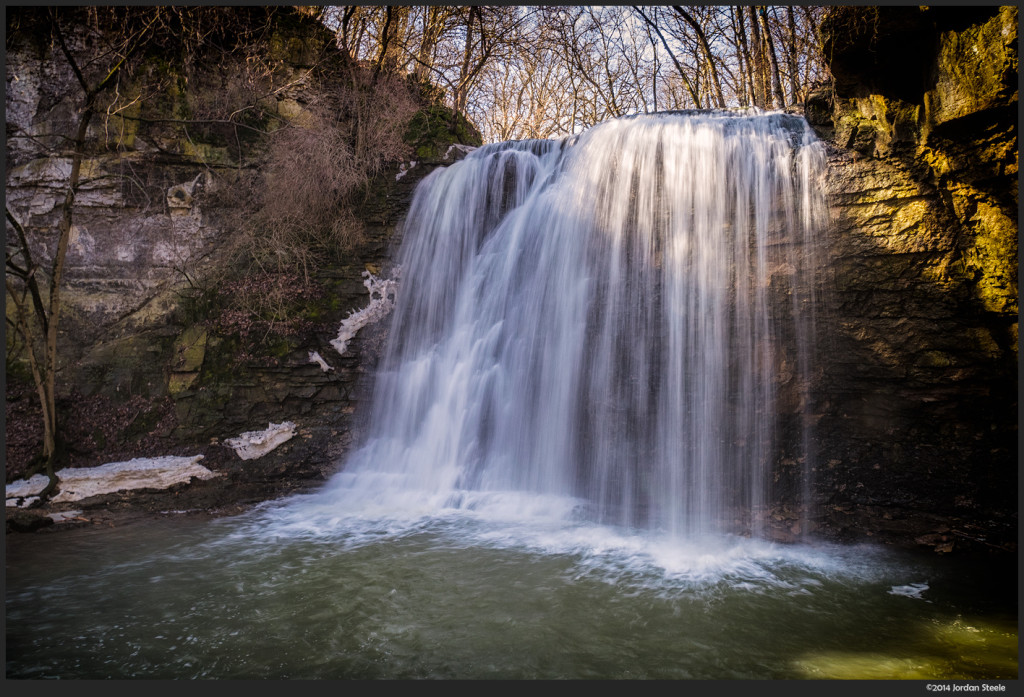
(295, 591)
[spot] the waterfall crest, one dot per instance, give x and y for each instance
(608, 320)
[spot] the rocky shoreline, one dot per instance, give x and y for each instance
(299, 465)
(307, 461)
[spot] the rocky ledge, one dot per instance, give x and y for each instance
(223, 483)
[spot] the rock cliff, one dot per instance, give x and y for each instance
(156, 227)
(918, 401)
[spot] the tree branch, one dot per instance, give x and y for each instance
(30, 269)
(682, 73)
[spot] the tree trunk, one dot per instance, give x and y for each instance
(703, 40)
(44, 364)
(682, 73)
(791, 58)
(762, 97)
(433, 24)
(462, 87)
(344, 41)
(773, 62)
(385, 38)
(746, 95)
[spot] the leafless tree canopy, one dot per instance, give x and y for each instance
(538, 72)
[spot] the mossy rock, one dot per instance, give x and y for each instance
(187, 360)
(190, 349)
(435, 128)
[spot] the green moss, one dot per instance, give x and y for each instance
(169, 100)
(280, 347)
(433, 128)
(205, 153)
(190, 349)
(178, 383)
(189, 353)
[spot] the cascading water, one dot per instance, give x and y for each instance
(598, 354)
(602, 320)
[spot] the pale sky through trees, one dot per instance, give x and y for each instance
(549, 71)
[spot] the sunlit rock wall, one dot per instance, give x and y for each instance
(919, 395)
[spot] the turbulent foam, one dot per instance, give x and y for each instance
(546, 527)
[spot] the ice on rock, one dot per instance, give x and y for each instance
(253, 444)
(139, 473)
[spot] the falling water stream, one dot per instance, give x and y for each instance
(595, 319)
(599, 352)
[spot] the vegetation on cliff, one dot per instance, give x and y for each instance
(281, 135)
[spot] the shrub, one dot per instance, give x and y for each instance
(298, 212)
(260, 305)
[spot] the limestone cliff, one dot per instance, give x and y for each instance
(158, 217)
(919, 397)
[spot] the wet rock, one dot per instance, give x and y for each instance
(27, 521)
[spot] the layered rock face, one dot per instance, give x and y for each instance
(142, 223)
(918, 401)
(153, 223)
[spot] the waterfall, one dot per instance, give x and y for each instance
(615, 320)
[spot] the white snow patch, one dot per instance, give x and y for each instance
(315, 357)
(253, 444)
(403, 170)
(140, 473)
(382, 299)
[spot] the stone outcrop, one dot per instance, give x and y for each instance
(918, 401)
(152, 226)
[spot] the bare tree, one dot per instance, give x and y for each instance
(683, 73)
(436, 20)
(773, 63)
(792, 48)
(37, 315)
(504, 65)
(743, 59)
(706, 48)
(762, 91)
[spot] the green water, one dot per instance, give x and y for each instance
(458, 597)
